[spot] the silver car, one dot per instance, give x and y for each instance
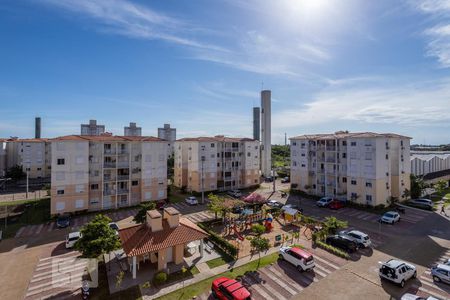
(441, 273)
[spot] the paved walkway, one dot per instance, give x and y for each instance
(205, 275)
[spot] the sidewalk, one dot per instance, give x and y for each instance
(205, 273)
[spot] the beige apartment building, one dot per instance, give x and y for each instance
(365, 167)
(33, 155)
(226, 163)
(105, 172)
(3, 168)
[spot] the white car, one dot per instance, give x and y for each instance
(324, 202)
(397, 271)
(408, 296)
(447, 262)
(274, 203)
(358, 237)
(390, 217)
(114, 227)
(71, 238)
(301, 259)
(191, 200)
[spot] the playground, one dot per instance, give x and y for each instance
(280, 225)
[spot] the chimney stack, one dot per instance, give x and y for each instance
(154, 220)
(172, 215)
(37, 127)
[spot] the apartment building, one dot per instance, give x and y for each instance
(132, 130)
(105, 171)
(223, 163)
(92, 128)
(170, 135)
(33, 155)
(365, 167)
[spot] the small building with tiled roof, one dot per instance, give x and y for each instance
(162, 239)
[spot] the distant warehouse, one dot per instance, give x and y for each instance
(430, 164)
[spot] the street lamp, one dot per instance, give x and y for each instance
(203, 177)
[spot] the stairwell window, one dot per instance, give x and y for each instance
(60, 161)
(353, 182)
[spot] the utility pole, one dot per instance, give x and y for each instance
(203, 179)
(27, 184)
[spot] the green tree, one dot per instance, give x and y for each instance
(141, 215)
(332, 224)
(97, 238)
(406, 194)
(15, 173)
(392, 200)
(215, 204)
(258, 229)
(417, 186)
(260, 244)
(440, 187)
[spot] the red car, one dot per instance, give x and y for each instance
(336, 204)
(225, 289)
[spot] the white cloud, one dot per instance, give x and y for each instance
(136, 21)
(410, 105)
(438, 36)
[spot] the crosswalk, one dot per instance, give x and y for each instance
(428, 287)
(75, 223)
(195, 217)
(57, 276)
(282, 280)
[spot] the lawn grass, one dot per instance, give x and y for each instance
(200, 287)
(175, 198)
(219, 261)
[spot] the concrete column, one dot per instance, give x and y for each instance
(178, 254)
(134, 267)
(201, 248)
(162, 259)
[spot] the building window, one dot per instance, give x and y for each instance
(354, 196)
(344, 155)
(387, 156)
(401, 143)
(369, 198)
(134, 183)
(79, 203)
(94, 186)
(294, 144)
(60, 175)
(212, 145)
(303, 154)
(369, 184)
(353, 182)
(148, 195)
(60, 161)
(39, 169)
(249, 154)
(344, 143)
(303, 165)
(60, 206)
(353, 144)
(294, 163)
(60, 192)
(344, 179)
(79, 188)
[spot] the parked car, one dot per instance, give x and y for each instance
(336, 204)
(390, 217)
(358, 237)
(447, 262)
(268, 179)
(408, 296)
(292, 206)
(114, 227)
(324, 202)
(224, 288)
(285, 180)
(342, 242)
(274, 203)
(441, 273)
(71, 238)
(161, 204)
(191, 200)
(397, 271)
(235, 193)
(301, 259)
(421, 203)
(63, 221)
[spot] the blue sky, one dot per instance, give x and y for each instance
(331, 65)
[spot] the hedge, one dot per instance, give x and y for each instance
(220, 242)
(333, 250)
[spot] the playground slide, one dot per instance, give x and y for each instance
(239, 236)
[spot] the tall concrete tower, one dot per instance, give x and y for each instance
(37, 127)
(266, 142)
(256, 123)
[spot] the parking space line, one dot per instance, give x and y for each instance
(266, 286)
(288, 279)
(20, 231)
(279, 282)
(261, 292)
(326, 262)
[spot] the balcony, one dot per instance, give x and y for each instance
(110, 152)
(331, 148)
(123, 177)
(122, 191)
(331, 160)
(331, 172)
(109, 192)
(110, 165)
(108, 177)
(122, 151)
(123, 164)
(311, 173)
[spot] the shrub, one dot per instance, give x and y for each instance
(220, 242)
(160, 278)
(331, 249)
(258, 229)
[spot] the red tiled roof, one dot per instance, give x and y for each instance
(140, 239)
(344, 134)
(107, 138)
(215, 139)
(41, 140)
